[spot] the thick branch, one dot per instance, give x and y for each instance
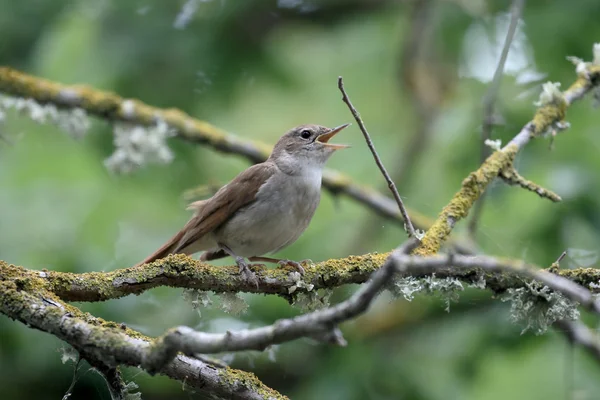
(189, 341)
(184, 272)
(112, 107)
(321, 323)
(112, 345)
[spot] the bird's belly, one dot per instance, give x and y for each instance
(267, 226)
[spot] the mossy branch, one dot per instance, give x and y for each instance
(112, 344)
(184, 272)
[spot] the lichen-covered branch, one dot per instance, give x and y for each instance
(32, 297)
(512, 177)
(112, 345)
(549, 115)
(184, 272)
(189, 341)
(115, 108)
(321, 324)
(443, 265)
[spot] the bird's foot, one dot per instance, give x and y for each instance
(245, 271)
(294, 264)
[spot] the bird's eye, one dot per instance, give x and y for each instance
(305, 134)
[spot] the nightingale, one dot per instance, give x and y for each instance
(263, 209)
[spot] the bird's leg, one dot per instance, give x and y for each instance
(241, 263)
(283, 262)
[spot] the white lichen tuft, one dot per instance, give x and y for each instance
(131, 391)
(479, 284)
(406, 287)
(74, 121)
(580, 65)
(68, 354)
(138, 145)
(582, 68)
(551, 94)
(494, 144)
(233, 304)
(594, 285)
(537, 307)
(596, 52)
(446, 288)
(419, 233)
(197, 299)
(313, 300)
(272, 352)
(299, 283)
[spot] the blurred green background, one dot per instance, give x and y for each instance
(416, 70)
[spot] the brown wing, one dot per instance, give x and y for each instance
(211, 213)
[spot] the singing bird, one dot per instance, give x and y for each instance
(263, 209)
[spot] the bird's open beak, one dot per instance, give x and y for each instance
(324, 138)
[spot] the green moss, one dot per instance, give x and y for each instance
(247, 379)
(458, 208)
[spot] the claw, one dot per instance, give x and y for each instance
(246, 272)
(294, 264)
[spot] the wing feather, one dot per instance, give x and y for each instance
(213, 212)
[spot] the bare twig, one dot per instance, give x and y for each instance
(560, 258)
(423, 81)
(579, 333)
(490, 99)
(512, 177)
(409, 226)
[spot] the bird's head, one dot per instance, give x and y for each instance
(306, 147)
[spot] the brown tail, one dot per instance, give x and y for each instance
(168, 248)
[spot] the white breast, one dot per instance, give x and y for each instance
(282, 211)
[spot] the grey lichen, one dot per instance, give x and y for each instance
(74, 121)
(446, 288)
(197, 299)
(68, 353)
(313, 300)
(537, 307)
(137, 145)
(232, 303)
(299, 283)
(131, 392)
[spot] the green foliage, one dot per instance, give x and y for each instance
(256, 69)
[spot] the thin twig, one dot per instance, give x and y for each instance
(579, 333)
(489, 101)
(409, 226)
(562, 255)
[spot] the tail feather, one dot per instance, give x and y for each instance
(170, 247)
